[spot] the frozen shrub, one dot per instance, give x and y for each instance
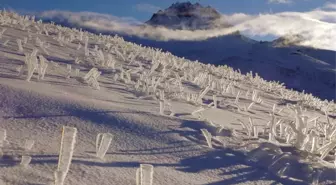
(144, 174)
(103, 142)
(31, 63)
(42, 67)
(91, 78)
(25, 160)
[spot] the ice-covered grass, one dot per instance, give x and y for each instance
(160, 109)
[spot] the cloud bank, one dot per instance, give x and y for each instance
(317, 26)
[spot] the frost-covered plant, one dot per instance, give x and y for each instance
(31, 64)
(28, 145)
(103, 142)
(25, 160)
(214, 97)
(59, 177)
(110, 62)
(79, 46)
(86, 49)
(5, 43)
(77, 60)
(2, 32)
(247, 126)
(25, 40)
(42, 67)
(202, 94)
(207, 136)
(68, 73)
(237, 97)
(19, 43)
(77, 72)
(250, 106)
(92, 78)
(144, 174)
(3, 137)
(65, 155)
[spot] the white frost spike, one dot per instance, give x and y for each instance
(203, 93)
(42, 68)
(25, 160)
(68, 71)
(66, 150)
(79, 46)
(247, 127)
(31, 63)
(59, 177)
(274, 108)
(207, 136)
(250, 106)
(214, 97)
(197, 111)
(137, 177)
(5, 43)
(29, 144)
(255, 132)
(3, 135)
(98, 140)
(77, 72)
(19, 42)
(104, 145)
(162, 107)
(145, 174)
(237, 97)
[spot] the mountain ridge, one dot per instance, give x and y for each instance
(188, 16)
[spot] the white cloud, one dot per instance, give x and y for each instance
(330, 5)
(280, 1)
(149, 8)
(318, 26)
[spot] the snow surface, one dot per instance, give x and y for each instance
(173, 144)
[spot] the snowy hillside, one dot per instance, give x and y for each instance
(295, 66)
(194, 123)
(302, 68)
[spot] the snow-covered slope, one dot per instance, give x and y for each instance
(300, 68)
(239, 111)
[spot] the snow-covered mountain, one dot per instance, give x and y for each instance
(187, 16)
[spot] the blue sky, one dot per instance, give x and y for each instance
(143, 9)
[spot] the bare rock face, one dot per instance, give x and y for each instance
(188, 16)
